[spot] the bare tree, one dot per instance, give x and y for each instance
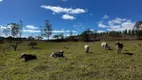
(47, 30)
(20, 24)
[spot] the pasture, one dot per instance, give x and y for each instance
(99, 64)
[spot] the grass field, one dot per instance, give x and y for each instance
(100, 64)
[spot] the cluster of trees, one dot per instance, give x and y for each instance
(59, 36)
(135, 33)
(126, 34)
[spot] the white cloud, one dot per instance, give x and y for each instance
(31, 31)
(117, 21)
(78, 25)
(53, 31)
(64, 31)
(58, 31)
(77, 11)
(118, 24)
(31, 27)
(68, 12)
(100, 31)
(74, 31)
(58, 9)
(7, 27)
(67, 35)
(1, 0)
(105, 17)
(121, 25)
(68, 17)
(101, 25)
(2, 27)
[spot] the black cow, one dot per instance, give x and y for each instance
(28, 57)
(119, 47)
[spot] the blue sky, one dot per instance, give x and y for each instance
(71, 15)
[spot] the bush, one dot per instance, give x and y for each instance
(32, 44)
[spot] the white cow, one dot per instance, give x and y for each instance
(86, 47)
(103, 44)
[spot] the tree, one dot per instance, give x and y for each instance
(31, 38)
(139, 33)
(95, 34)
(125, 32)
(47, 30)
(138, 29)
(39, 37)
(71, 36)
(138, 26)
(129, 32)
(61, 36)
(133, 33)
(32, 44)
(7, 31)
(86, 34)
(20, 24)
(14, 29)
(56, 36)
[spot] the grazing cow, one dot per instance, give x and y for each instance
(119, 47)
(105, 45)
(86, 47)
(59, 54)
(28, 57)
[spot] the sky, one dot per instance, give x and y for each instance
(71, 15)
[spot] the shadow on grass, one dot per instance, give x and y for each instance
(35, 48)
(129, 54)
(126, 50)
(110, 49)
(90, 52)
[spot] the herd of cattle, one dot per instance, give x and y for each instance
(60, 54)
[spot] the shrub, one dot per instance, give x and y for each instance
(32, 44)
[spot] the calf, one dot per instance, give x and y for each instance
(119, 47)
(28, 57)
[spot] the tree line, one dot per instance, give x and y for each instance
(15, 30)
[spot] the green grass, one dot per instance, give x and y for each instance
(100, 64)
